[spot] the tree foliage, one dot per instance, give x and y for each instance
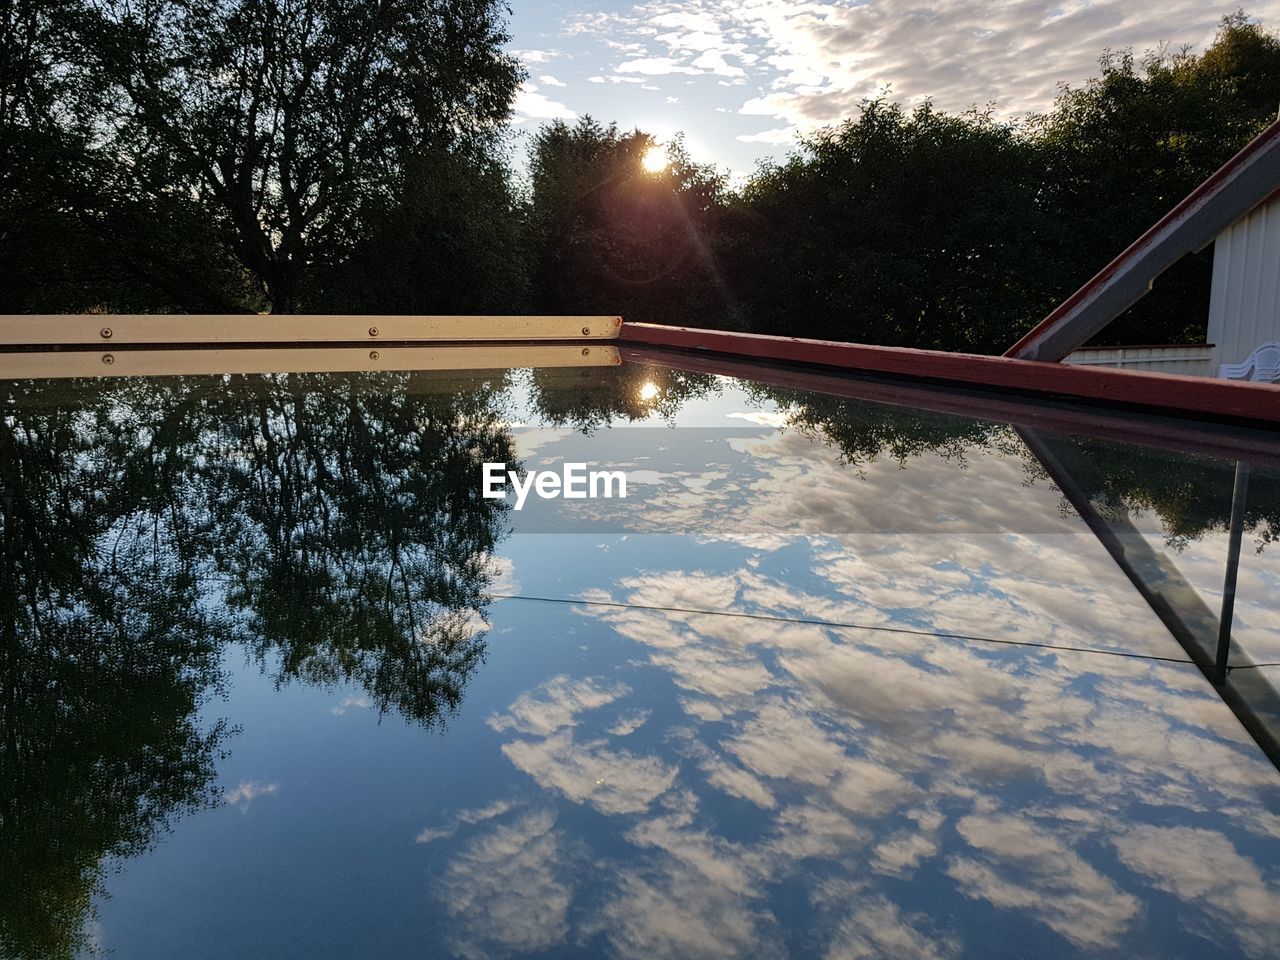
(608, 236)
(904, 228)
(1119, 152)
(235, 149)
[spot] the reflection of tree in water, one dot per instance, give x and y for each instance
(593, 397)
(865, 432)
(105, 656)
(333, 524)
(349, 525)
(1191, 494)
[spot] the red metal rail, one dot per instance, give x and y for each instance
(1153, 392)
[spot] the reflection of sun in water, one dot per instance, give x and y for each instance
(648, 391)
(654, 160)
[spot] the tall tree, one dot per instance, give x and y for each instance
(608, 235)
(910, 228)
(283, 122)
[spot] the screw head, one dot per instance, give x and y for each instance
(106, 333)
(374, 355)
(108, 359)
(586, 351)
(373, 331)
(586, 331)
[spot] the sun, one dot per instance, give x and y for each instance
(649, 391)
(654, 160)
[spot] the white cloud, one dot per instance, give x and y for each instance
(630, 722)
(679, 914)
(351, 703)
(765, 418)
(431, 834)
(1031, 869)
(535, 56)
(532, 105)
(875, 927)
(712, 61)
(781, 743)
(556, 704)
(551, 81)
(488, 812)
(1203, 867)
(772, 135)
(814, 60)
(654, 66)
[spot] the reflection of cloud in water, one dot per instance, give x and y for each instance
(765, 418)
(779, 742)
(612, 781)
(507, 890)
(555, 704)
(862, 757)
(630, 722)
(1019, 865)
(503, 573)
(246, 792)
(1203, 866)
(676, 912)
(351, 703)
(876, 928)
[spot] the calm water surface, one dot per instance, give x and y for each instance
(837, 680)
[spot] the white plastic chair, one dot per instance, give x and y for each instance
(1261, 366)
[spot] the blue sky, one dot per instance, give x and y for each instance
(741, 77)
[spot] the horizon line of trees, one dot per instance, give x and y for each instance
(317, 156)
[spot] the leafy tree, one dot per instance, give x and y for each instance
(897, 228)
(281, 124)
(449, 242)
(608, 236)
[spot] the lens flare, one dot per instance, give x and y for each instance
(654, 160)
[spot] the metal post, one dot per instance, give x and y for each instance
(1239, 490)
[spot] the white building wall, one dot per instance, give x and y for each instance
(1244, 307)
(1191, 359)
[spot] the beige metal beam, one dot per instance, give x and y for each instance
(27, 365)
(129, 329)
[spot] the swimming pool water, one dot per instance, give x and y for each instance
(836, 679)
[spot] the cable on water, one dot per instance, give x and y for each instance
(879, 628)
